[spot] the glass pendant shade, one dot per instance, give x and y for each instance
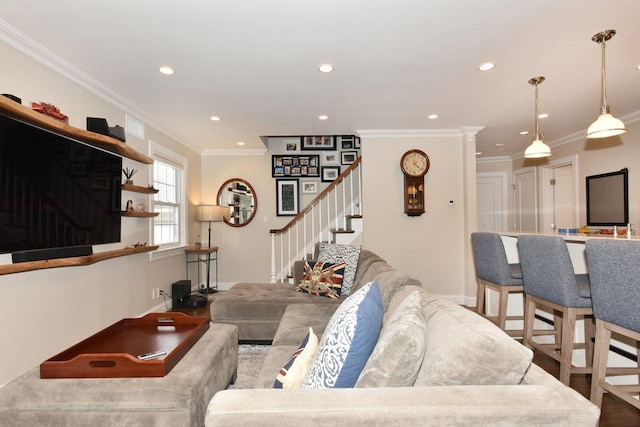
(606, 125)
(537, 149)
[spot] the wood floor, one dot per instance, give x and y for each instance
(614, 412)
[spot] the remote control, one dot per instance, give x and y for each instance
(151, 355)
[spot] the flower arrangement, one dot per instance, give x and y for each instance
(128, 173)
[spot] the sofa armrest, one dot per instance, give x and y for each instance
(426, 406)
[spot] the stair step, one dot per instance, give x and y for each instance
(341, 231)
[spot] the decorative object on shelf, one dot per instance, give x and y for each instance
(330, 173)
(287, 201)
(128, 173)
(209, 214)
(240, 199)
(141, 207)
(537, 149)
(49, 110)
(13, 97)
(129, 205)
(414, 165)
(605, 125)
(136, 245)
(318, 142)
(100, 125)
(284, 166)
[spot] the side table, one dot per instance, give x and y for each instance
(203, 255)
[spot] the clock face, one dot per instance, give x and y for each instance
(414, 163)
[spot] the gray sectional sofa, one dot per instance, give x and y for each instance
(434, 363)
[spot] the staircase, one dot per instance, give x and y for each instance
(334, 216)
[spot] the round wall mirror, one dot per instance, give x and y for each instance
(239, 196)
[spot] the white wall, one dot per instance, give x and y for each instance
(43, 312)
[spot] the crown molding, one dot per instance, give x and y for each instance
(413, 133)
(49, 59)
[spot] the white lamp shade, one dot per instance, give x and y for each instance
(537, 149)
(212, 213)
(605, 126)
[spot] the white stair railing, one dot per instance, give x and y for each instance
(318, 221)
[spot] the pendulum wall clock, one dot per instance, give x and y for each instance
(414, 165)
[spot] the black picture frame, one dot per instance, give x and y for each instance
(348, 157)
(287, 165)
(330, 173)
(317, 142)
(287, 197)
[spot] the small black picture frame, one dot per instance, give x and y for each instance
(348, 157)
(319, 142)
(330, 173)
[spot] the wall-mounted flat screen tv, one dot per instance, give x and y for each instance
(608, 199)
(55, 191)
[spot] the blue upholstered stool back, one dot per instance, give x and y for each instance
(614, 270)
(491, 260)
(548, 273)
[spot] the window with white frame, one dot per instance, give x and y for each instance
(169, 170)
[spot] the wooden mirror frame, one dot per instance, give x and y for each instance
(226, 187)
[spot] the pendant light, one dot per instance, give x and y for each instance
(537, 149)
(606, 125)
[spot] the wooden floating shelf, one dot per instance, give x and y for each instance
(73, 261)
(19, 111)
(139, 189)
(140, 214)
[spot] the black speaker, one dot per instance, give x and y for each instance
(179, 291)
(53, 253)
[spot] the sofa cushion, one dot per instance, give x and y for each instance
(347, 341)
(322, 278)
(293, 372)
(464, 348)
(397, 356)
(349, 254)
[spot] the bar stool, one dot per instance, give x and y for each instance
(550, 282)
(493, 271)
(614, 271)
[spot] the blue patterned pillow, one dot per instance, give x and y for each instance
(348, 340)
(293, 372)
(348, 254)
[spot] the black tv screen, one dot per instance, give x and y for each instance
(55, 191)
(608, 198)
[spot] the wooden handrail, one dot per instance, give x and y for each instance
(319, 197)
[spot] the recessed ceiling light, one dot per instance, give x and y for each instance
(433, 116)
(215, 118)
(240, 143)
(486, 66)
(543, 115)
(478, 153)
(323, 117)
(498, 145)
(325, 68)
(166, 70)
(524, 132)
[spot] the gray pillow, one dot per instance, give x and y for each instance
(398, 354)
(464, 348)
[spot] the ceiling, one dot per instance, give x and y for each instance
(254, 64)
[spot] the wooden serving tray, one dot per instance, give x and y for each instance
(112, 352)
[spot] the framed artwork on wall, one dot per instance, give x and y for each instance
(300, 166)
(318, 142)
(287, 201)
(348, 157)
(330, 173)
(330, 158)
(309, 187)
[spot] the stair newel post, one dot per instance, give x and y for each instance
(272, 278)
